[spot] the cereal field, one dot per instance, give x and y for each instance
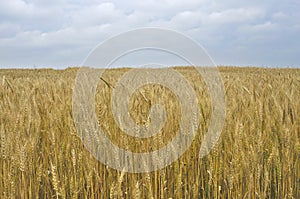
(257, 155)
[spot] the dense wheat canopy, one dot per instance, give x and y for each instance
(257, 155)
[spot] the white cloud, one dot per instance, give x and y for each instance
(8, 29)
(59, 27)
(264, 27)
(187, 19)
(279, 15)
(240, 15)
(104, 13)
(15, 8)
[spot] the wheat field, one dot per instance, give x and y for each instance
(257, 155)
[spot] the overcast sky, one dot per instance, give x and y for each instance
(58, 33)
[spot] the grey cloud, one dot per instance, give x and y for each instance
(64, 29)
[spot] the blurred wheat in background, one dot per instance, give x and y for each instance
(257, 155)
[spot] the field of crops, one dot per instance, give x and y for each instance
(257, 155)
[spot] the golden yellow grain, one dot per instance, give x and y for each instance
(257, 155)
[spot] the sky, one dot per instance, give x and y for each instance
(61, 33)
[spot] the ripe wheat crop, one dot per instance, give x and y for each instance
(257, 155)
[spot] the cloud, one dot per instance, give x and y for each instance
(279, 15)
(258, 28)
(61, 32)
(104, 13)
(240, 15)
(30, 16)
(8, 29)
